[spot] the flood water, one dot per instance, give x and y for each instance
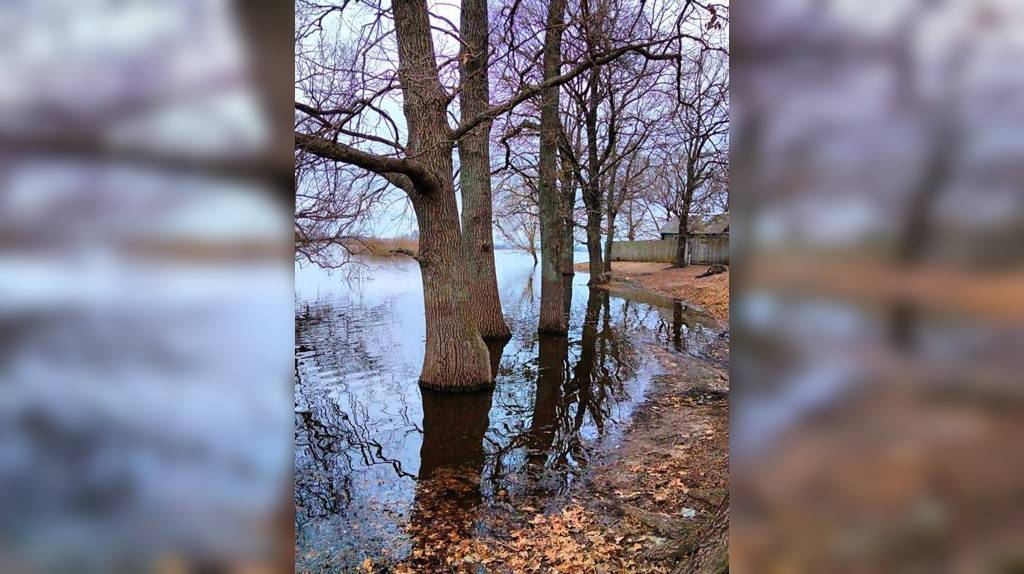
(380, 462)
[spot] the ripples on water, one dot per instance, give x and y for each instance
(377, 458)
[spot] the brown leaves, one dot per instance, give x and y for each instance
(571, 541)
(568, 542)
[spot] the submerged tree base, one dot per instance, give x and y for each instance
(448, 388)
(659, 504)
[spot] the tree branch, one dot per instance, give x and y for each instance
(532, 90)
(389, 167)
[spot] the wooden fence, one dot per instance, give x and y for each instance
(701, 250)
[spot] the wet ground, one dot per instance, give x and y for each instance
(384, 468)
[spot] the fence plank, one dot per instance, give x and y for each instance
(702, 250)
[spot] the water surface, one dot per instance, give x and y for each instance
(381, 462)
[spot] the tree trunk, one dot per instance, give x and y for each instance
(681, 241)
(475, 174)
(592, 189)
(597, 274)
(609, 234)
(684, 218)
(552, 319)
(569, 195)
(455, 357)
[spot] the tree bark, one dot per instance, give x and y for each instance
(680, 260)
(684, 216)
(475, 174)
(592, 189)
(609, 235)
(569, 196)
(552, 319)
(455, 357)
(611, 213)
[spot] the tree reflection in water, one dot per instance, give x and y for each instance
(372, 481)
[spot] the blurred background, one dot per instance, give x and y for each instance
(146, 201)
(878, 287)
(146, 198)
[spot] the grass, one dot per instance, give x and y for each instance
(386, 246)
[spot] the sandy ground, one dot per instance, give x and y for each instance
(710, 293)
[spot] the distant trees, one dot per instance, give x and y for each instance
(515, 213)
(703, 123)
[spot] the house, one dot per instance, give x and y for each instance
(699, 225)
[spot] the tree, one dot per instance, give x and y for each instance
(348, 124)
(475, 172)
(516, 213)
(622, 189)
(615, 105)
(456, 357)
(552, 319)
(703, 118)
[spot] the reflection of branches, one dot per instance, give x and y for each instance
(334, 439)
(331, 438)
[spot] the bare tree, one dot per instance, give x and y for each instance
(475, 172)
(623, 187)
(349, 131)
(516, 213)
(703, 119)
(552, 236)
(456, 357)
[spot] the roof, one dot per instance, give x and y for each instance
(700, 225)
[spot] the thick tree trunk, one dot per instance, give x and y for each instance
(475, 174)
(455, 357)
(552, 319)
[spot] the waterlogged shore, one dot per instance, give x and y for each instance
(710, 293)
(604, 451)
(658, 503)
